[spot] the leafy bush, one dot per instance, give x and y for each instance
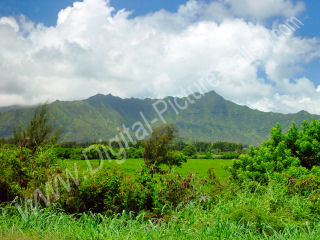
(306, 143)
(175, 190)
(134, 153)
(69, 153)
(302, 180)
(62, 153)
(283, 151)
(140, 193)
(176, 158)
(111, 192)
(99, 193)
(261, 162)
(22, 171)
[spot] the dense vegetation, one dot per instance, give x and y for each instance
(208, 119)
(271, 192)
(268, 213)
(297, 153)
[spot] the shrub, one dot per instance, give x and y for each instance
(62, 153)
(111, 192)
(314, 203)
(69, 153)
(261, 162)
(140, 193)
(302, 180)
(134, 153)
(99, 193)
(306, 143)
(175, 190)
(176, 158)
(283, 151)
(22, 171)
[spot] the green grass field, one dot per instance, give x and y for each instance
(131, 166)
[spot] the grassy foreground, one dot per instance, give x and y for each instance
(197, 166)
(246, 216)
(268, 212)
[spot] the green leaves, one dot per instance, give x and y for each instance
(280, 153)
(22, 171)
(176, 158)
(40, 131)
(157, 148)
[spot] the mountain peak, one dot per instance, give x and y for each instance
(303, 112)
(211, 118)
(98, 95)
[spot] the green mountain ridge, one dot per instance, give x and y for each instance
(210, 118)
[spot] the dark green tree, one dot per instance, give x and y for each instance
(189, 150)
(40, 131)
(307, 143)
(158, 149)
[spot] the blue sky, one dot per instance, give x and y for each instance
(283, 77)
(46, 11)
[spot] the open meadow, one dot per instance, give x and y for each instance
(199, 167)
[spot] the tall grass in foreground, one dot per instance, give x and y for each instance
(267, 213)
(190, 223)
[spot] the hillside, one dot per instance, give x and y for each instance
(210, 118)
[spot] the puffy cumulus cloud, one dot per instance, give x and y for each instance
(95, 49)
(10, 21)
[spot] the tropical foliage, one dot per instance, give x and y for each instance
(296, 150)
(158, 149)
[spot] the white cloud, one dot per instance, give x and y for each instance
(94, 49)
(262, 9)
(10, 22)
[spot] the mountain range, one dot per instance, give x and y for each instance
(207, 117)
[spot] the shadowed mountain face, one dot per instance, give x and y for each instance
(205, 118)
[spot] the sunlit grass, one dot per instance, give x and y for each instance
(191, 222)
(131, 166)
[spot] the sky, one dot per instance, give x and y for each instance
(261, 53)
